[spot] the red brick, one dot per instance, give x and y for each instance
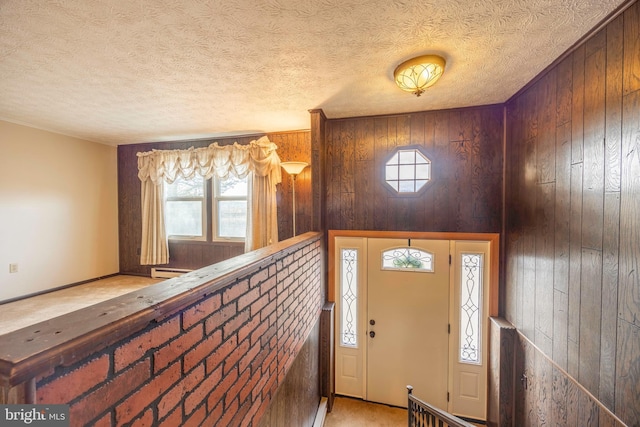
(260, 386)
(288, 322)
(111, 392)
(201, 392)
(104, 421)
(174, 419)
(195, 420)
(176, 348)
(234, 390)
(235, 355)
(247, 298)
(232, 325)
(259, 359)
(259, 277)
(266, 337)
(273, 319)
(248, 328)
(220, 317)
(200, 311)
(259, 305)
(221, 389)
(174, 396)
(272, 383)
(248, 387)
(137, 347)
(271, 357)
(273, 343)
(259, 332)
(214, 416)
(283, 295)
(241, 414)
(248, 418)
(202, 350)
(131, 407)
(234, 291)
(230, 411)
(221, 353)
(75, 383)
(269, 285)
(145, 421)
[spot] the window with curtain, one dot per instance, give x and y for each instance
(229, 211)
(185, 210)
(257, 163)
(186, 215)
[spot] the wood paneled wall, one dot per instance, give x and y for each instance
(193, 255)
(296, 401)
(294, 147)
(546, 396)
(573, 222)
(501, 381)
(464, 195)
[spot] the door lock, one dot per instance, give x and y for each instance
(372, 322)
(372, 334)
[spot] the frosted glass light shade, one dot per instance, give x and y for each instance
(417, 74)
(293, 168)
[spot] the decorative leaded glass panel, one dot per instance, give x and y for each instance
(349, 297)
(407, 259)
(471, 307)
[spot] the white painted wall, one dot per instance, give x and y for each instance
(58, 210)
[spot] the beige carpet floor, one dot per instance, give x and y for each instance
(348, 412)
(19, 314)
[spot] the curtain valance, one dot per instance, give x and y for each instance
(259, 157)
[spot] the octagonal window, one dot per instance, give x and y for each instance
(408, 171)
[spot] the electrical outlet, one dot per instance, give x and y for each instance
(13, 268)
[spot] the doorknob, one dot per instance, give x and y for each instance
(372, 322)
(372, 334)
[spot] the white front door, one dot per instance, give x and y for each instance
(408, 316)
(412, 309)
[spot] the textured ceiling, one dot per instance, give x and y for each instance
(127, 71)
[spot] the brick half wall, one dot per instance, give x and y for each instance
(217, 362)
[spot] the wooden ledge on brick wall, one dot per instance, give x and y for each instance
(30, 352)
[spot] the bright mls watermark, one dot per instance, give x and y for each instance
(34, 415)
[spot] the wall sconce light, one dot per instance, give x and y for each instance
(293, 169)
(417, 74)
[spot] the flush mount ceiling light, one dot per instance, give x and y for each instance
(417, 74)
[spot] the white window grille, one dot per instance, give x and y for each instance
(408, 171)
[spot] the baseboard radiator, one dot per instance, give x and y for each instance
(166, 272)
(421, 414)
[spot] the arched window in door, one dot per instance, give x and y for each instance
(407, 258)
